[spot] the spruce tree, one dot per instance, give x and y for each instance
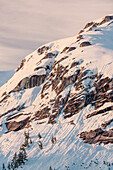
(9, 166)
(20, 158)
(39, 136)
(53, 140)
(40, 145)
(3, 168)
(14, 163)
(26, 139)
(50, 168)
(24, 156)
(30, 141)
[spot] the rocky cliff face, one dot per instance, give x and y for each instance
(68, 81)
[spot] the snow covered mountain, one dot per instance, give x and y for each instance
(62, 94)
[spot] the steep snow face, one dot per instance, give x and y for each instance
(63, 89)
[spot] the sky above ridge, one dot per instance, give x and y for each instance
(26, 24)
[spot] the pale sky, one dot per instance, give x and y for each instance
(27, 24)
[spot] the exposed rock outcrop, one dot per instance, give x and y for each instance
(100, 111)
(15, 126)
(35, 80)
(71, 49)
(21, 65)
(106, 19)
(88, 25)
(42, 114)
(81, 31)
(65, 49)
(42, 50)
(85, 44)
(18, 108)
(97, 136)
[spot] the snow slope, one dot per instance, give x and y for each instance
(63, 89)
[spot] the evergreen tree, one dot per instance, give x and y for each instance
(26, 134)
(24, 156)
(39, 136)
(22, 148)
(3, 167)
(20, 158)
(14, 163)
(40, 145)
(30, 141)
(9, 166)
(53, 140)
(50, 168)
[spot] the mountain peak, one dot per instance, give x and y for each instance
(64, 88)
